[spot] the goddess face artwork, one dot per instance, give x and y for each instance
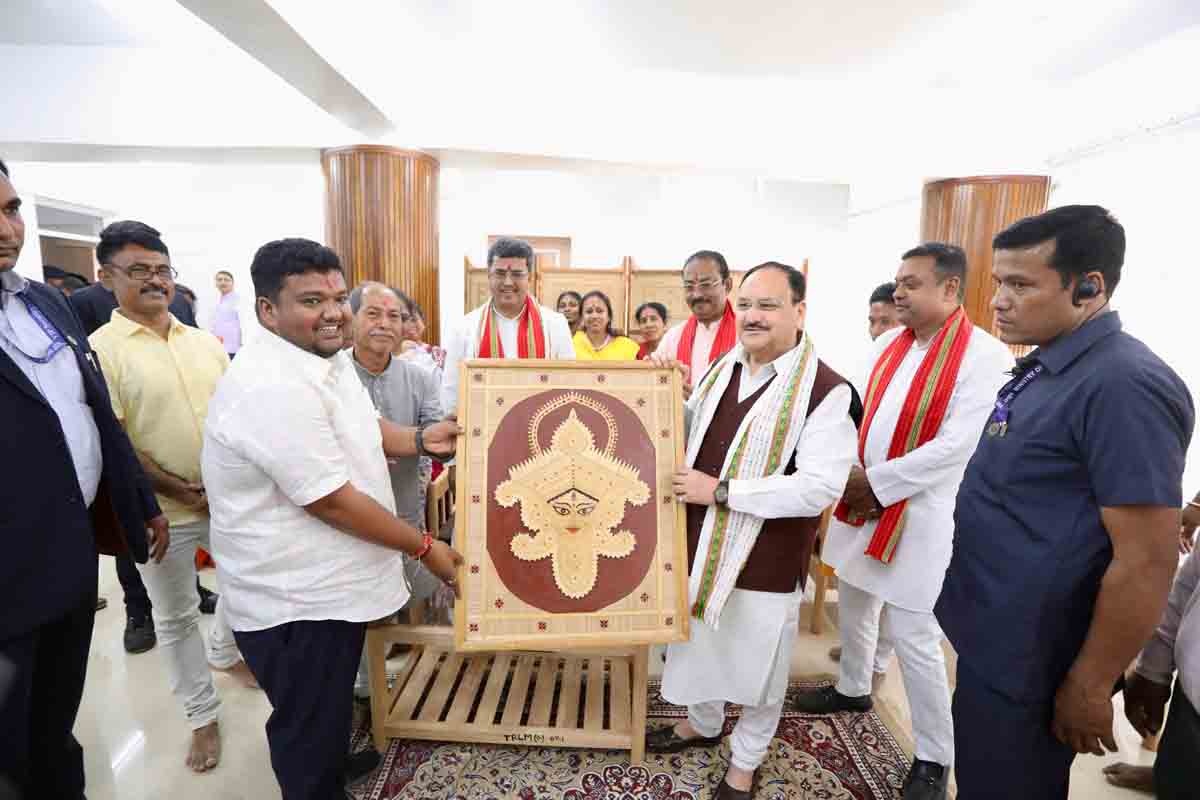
(572, 497)
(571, 523)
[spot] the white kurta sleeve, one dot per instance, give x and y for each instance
(824, 455)
(456, 351)
(952, 446)
(669, 344)
(1156, 662)
(561, 345)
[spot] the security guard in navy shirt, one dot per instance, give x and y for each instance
(1067, 520)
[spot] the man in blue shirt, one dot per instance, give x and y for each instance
(1067, 520)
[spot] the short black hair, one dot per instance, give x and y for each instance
(3, 168)
(607, 304)
(654, 306)
(507, 247)
(276, 260)
(121, 234)
(884, 294)
(796, 280)
(568, 293)
(75, 282)
(226, 273)
(713, 256)
(414, 308)
(949, 261)
(1086, 239)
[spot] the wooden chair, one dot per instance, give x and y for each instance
(822, 574)
(439, 505)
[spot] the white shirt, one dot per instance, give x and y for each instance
(746, 659)
(286, 428)
(928, 477)
(706, 334)
(58, 381)
(464, 344)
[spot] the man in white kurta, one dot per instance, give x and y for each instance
(740, 653)
(927, 477)
(510, 270)
(707, 286)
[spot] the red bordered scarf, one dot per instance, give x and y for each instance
(531, 334)
(725, 340)
(920, 417)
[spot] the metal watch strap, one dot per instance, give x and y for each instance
(420, 441)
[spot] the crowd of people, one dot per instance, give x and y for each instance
(1029, 510)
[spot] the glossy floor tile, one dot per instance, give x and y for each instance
(135, 737)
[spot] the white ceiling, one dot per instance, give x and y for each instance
(830, 90)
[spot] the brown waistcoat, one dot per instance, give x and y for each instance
(780, 556)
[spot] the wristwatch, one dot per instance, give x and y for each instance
(419, 440)
(721, 493)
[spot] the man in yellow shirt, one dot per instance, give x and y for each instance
(161, 375)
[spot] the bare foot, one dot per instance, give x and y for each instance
(739, 779)
(241, 673)
(1129, 776)
(205, 752)
(684, 730)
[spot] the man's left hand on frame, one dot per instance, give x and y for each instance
(693, 486)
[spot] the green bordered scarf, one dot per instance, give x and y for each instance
(761, 447)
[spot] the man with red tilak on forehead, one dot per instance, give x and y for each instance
(510, 325)
(927, 399)
(711, 330)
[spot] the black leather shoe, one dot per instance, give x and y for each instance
(926, 781)
(830, 701)
(208, 600)
(359, 765)
(139, 635)
(665, 740)
(727, 792)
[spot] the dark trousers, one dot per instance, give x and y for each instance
(137, 601)
(307, 670)
(1177, 768)
(1003, 749)
(41, 684)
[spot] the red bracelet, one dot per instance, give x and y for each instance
(426, 546)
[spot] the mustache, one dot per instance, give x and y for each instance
(754, 326)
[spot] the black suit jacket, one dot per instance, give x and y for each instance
(48, 555)
(95, 305)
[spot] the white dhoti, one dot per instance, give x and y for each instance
(746, 662)
(918, 642)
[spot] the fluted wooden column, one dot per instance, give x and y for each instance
(381, 218)
(968, 212)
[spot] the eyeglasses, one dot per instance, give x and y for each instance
(504, 274)
(141, 273)
(705, 285)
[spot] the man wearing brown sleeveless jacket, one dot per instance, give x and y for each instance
(771, 441)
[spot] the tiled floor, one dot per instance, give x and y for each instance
(134, 735)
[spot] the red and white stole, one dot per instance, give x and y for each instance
(725, 339)
(920, 417)
(531, 334)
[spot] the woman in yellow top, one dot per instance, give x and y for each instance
(595, 339)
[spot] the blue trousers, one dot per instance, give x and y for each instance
(307, 670)
(1005, 750)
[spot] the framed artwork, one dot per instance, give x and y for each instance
(569, 532)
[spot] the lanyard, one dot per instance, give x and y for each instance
(998, 424)
(57, 342)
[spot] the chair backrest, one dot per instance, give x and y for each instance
(439, 504)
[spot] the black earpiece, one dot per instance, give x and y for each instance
(1086, 289)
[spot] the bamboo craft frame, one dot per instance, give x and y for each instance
(488, 616)
(591, 699)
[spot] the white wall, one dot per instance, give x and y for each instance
(212, 216)
(1148, 183)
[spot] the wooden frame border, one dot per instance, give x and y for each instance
(464, 480)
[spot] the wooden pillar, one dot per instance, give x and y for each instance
(968, 212)
(381, 218)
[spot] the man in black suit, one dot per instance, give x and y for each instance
(94, 306)
(74, 484)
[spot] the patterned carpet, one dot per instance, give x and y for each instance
(819, 758)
